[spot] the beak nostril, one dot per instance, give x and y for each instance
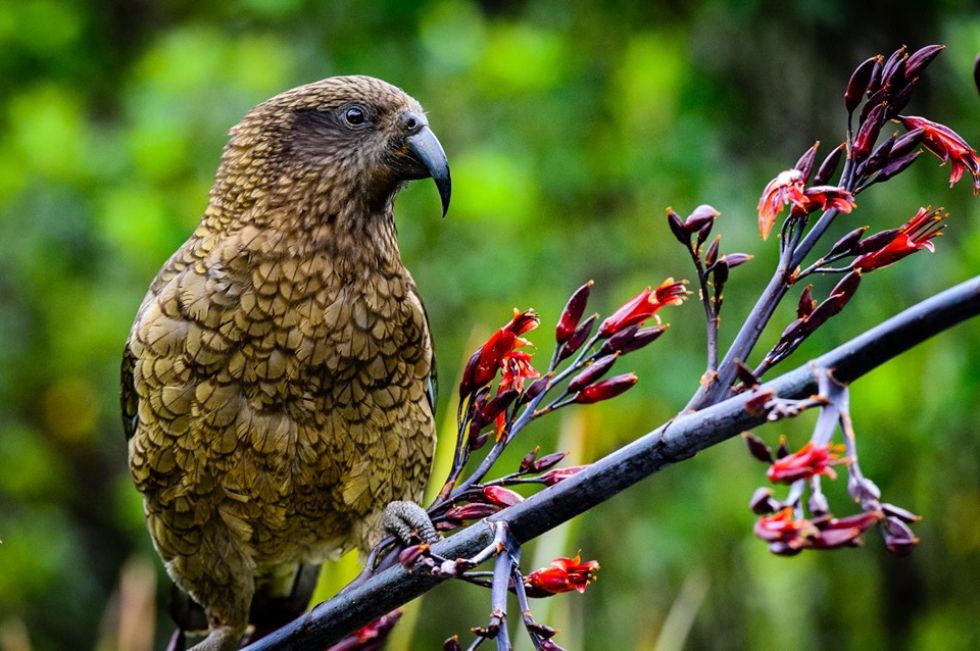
(411, 122)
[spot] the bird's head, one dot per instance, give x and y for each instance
(355, 138)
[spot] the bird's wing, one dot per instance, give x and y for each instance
(432, 382)
(128, 396)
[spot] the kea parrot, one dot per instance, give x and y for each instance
(278, 383)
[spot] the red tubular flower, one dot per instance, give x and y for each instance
(948, 146)
(563, 575)
(785, 189)
(823, 197)
(833, 533)
(606, 389)
(483, 365)
(501, 496)
(560, 474)
(517, 368)
(808, 461)
(783, 532)
(644, 305)
(916, 234)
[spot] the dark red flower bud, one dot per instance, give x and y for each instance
(874, 82)
(846, 288)
(899, 539)
(703, 215)
(897, 166)
(898, 512)
(879, 157)
(907, 142)
(876, 241)
(900, 99)
(867, 135)
(712, 254)
(535, 388)
(829, 165)
(477, 440)
(677, 228)
(704, 233)
(560, 474)
(452, 644)
(719, 274)
(548, 461)
(541, 629)
(757, 402)
(592, 372)
(578, 338)
(858, 83)
(472, 511)
(606, 389)
(976, 73)
(572, 313)
(806, 304)
(783, 449)
(847, 243)
(805, 164)
(632, 338)
(893, 72)
(822, 313)
(501, 496)
(758, 448)
(745, 374)
(762, 502)
(921, 58)
(409, 555)
(735, 259)
(528, 460)
(498, 405)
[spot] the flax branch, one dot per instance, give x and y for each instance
(675, 441)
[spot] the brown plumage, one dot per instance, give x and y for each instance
(277, 380)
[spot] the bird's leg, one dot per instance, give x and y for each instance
(408, 521)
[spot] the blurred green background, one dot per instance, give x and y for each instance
(570, 126)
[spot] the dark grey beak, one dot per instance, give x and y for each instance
(426, 150)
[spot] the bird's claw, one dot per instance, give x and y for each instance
(409, 522)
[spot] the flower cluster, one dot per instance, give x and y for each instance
(501, 389)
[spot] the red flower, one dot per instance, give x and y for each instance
(517, 368)
(948, 146)
(823, 197)
(781, 528)
(564, 575)
(808, 461)
(916, 234)
(785, 189)
(483, 365)
(787, 535)
(643, 306)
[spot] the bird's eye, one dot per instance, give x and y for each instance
(355, 115)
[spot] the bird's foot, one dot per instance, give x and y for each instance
(221, 638)
(408, 522)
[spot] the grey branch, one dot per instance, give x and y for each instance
(675, 441)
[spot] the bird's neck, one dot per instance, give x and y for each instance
(311, 214)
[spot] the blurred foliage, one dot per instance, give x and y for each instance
(570, 127)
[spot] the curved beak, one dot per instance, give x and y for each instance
(425, 148)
